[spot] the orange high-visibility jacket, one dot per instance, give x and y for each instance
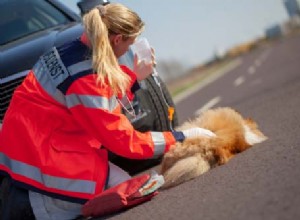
(57, 122)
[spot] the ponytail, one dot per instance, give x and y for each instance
(104, 61)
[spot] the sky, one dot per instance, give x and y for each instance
(191, 31)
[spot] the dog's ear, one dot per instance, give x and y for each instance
(252, 134)
(250, 120)
(250, 123)
(236, 111)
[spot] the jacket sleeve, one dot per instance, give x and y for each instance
(97, 110)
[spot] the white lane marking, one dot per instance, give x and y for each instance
(208, 105)
(214, 76)
(251, 70)
(257, 62)
(240, 80)
(265, 55)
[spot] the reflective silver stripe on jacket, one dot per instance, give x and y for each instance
(159, 143)
(51, 73)
(42, 76)
(34, 173)
(91, 101)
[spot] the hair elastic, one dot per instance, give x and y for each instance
(102, 10)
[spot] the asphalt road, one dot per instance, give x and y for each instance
(264, 181)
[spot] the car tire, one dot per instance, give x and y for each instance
(154, 98)
(160, 99)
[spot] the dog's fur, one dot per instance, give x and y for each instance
(195, 156)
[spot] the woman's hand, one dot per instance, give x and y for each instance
(143, 69)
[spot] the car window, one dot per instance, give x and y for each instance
(19, 18)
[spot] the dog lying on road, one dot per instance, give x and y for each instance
(195, 156)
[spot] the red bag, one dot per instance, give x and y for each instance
(119, 197)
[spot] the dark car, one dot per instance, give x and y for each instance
(28, 28)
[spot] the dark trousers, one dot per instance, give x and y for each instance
(14, 202)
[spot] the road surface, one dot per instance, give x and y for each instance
(262, 182)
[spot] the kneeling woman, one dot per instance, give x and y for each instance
(66, 114)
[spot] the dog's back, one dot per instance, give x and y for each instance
(195, 156)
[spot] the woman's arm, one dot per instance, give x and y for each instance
(99, 113)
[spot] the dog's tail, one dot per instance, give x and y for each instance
(185, 169)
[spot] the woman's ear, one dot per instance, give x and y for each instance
(116, 39)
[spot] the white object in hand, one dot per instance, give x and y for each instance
(142, 49)
(154, 183)
(196, 132)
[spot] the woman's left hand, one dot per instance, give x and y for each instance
(143, 69)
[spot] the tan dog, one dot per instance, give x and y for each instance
(195, 156)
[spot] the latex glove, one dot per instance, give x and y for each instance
(195, 132)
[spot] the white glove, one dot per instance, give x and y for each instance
(195, 132)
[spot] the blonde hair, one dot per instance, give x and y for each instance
(99, 23)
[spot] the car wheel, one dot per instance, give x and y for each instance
(153, 99)
(161, 100)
